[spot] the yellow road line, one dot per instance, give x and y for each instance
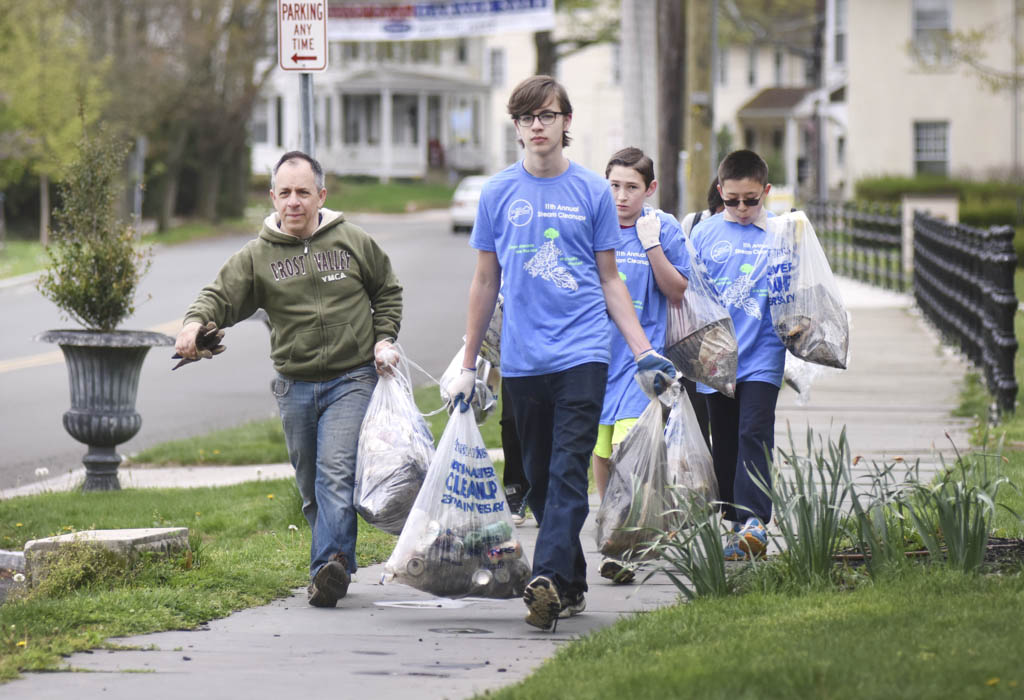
(56, 357)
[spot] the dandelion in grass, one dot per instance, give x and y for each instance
(22, 643)
(18, 578)
(270, 496)
(42, 471)
(293, 528)
(18, 525)
(992, 682)
(198, 513)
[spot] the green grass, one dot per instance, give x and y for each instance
(245, 553)
(929, 634)
(358, 194)
(21, 257)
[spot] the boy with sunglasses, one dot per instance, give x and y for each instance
(734, 246)
(545, 234)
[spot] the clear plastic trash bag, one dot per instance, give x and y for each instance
(807, 309)
(699, 336)
(459, 539)
(690, 467)
(395, 448)
(636, 505)
(487, 379)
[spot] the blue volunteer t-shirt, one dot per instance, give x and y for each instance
(737, 260)
(624, 398)
(545, 232)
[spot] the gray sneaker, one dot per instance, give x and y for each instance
(575, 603)
(617, 571)
(330, 584)
(542, 603)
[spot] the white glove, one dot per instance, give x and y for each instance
(385, 356)
(648, 230)
(460, 389)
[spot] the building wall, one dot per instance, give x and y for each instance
(888, 91)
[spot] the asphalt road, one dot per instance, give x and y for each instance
(433, 265)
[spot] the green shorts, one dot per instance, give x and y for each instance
(609, 435)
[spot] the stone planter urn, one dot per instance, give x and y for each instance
(103, 373)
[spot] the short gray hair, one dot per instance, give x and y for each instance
(318, 170)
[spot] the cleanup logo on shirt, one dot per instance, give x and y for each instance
(544, 264)
(520, 212)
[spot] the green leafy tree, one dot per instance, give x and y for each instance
(590, 22)
(94, 265)
(49, 90)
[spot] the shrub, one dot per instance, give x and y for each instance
(94, 266)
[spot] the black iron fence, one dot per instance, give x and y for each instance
(862, 241)
(963, 283)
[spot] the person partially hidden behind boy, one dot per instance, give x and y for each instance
(734, 247)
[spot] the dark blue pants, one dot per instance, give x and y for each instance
(556, 416)
(742, 429)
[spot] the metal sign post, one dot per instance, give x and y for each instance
(302, 47)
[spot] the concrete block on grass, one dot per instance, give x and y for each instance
(115, 546)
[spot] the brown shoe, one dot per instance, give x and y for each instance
(330, 584)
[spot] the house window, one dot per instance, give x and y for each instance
(931, 25)
(841, 151)
(328, 123)
(723, 65)
(260, 127)
(350, 51)
(839, 38)
(748, 138)
(778, 67)
(497, 67)
(616, 63)
(777, 139)
(931, 148)
(461, 50)
(360, 115)
(511, 143)
(752, 66)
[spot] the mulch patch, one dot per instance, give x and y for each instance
(1002, 553)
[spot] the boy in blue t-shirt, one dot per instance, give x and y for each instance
(545, 232)
(734, 246)
(650, 254)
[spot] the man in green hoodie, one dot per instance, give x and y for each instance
(334, 308)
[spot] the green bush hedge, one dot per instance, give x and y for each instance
(891, 188)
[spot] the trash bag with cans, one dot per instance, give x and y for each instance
(635, 502)
(459, 539)
(699, 336)
(806, 306)
(395, 448)
(690, 468)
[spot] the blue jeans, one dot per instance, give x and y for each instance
(741, 429)
(321, 428)
(556, 416)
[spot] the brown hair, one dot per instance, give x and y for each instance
(740, 165)
(632, 157)
(532, 93)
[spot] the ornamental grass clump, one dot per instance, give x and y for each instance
(879, 527)
(808, 503)
(693, 556)
(94, 266)
(954, 514)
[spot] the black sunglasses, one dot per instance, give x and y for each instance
(747, 202)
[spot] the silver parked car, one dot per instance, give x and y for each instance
(465, 201)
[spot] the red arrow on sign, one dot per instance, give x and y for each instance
(297, 57)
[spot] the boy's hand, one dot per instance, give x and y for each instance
(648, 230)
(650, 361)
(384, 357)
(460, 389)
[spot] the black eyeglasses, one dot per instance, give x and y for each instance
(546, 118)
(747, 202)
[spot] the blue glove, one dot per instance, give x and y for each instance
(650, 361)
(462, 388)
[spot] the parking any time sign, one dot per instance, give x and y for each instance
(302, 35)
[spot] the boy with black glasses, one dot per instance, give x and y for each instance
(734, 246)
(545, 233)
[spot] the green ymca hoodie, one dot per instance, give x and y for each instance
(329, 298)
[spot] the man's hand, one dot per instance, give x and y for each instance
(385, 357)
(185, 344)
(648, 230)
(650, 361)
(196, 341)
(462, 388)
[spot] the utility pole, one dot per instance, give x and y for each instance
(671, 89)
(698, 122)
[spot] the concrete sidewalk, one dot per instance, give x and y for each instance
(395, 642)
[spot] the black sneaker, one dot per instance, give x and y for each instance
(542, 602)
(574, 604)
(617, 571)
(330, 583)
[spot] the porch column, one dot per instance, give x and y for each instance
(790, 151)
(386, 154)
(421, 133)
